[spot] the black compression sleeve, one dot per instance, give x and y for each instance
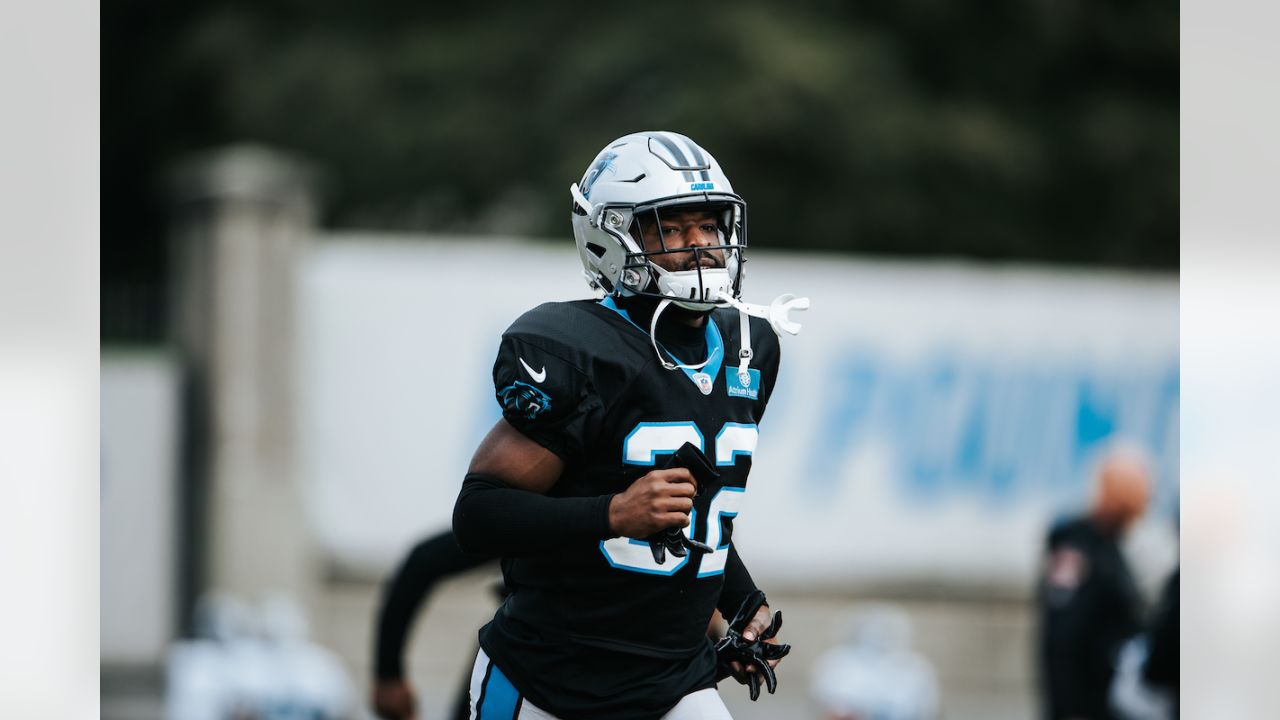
(737, 584)
(430, 561)
(494, 519)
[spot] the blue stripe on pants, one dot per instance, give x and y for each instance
(501, 699)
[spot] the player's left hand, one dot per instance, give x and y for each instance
(749, 650)
(394, 700)
(758, 625)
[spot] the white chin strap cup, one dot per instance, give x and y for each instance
(777, 312)
(780, 309)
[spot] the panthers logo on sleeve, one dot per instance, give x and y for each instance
(523, 399)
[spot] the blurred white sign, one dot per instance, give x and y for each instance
(929, 420)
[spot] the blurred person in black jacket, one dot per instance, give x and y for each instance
(430, 561)
(1161, 667)
(1089, 602)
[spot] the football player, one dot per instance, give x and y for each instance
(431, 561)
(610, 485)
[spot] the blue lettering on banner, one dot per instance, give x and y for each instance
(845, 420)
(694, 187)
(736, 388)
(998, 430)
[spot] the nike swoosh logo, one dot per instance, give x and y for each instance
(537, 376)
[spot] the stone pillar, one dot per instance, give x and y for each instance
(243, 216)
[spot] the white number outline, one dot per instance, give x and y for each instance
(748, 448)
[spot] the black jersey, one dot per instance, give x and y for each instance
(602, 630)
(1089, 605)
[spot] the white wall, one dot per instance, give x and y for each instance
(139, 434)
(929, 421)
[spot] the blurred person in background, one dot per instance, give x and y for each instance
(1089, 602)
(616, 562)
(874, 674)
(1161, 667)
(428, 563)
(254, 663)
(1146, 681)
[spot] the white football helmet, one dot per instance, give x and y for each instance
(643, 175)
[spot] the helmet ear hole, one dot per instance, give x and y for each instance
(636, 278)
(595, 249)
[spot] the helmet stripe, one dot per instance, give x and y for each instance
(698, 157)
(676, 155)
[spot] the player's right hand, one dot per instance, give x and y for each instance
(658, 500)
(394, 700)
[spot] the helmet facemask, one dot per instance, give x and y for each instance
(693, 277)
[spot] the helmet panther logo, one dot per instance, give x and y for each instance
(605, 163)
(524, 399)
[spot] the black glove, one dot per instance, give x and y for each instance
(753, 654)
(674, 539)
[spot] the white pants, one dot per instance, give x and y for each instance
(493, 697)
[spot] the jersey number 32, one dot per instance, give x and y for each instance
(642, 447)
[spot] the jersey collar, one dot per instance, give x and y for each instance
(715, 345)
